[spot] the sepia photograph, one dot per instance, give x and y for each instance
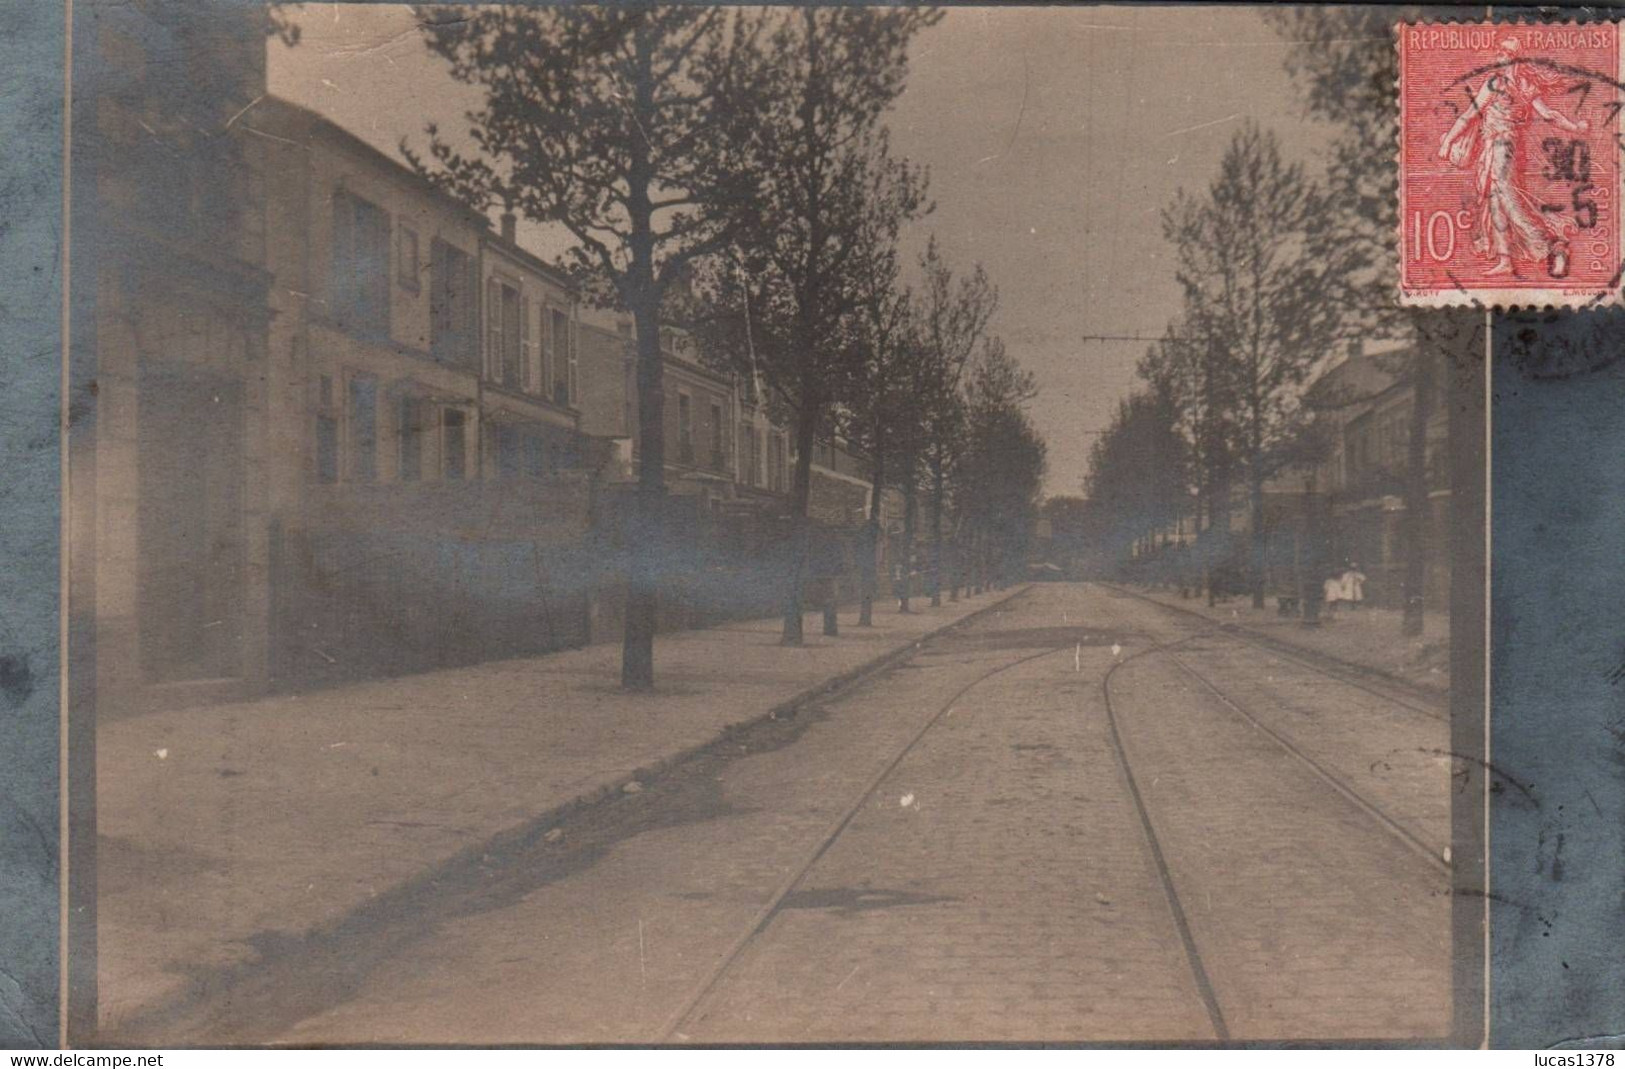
(688, 525)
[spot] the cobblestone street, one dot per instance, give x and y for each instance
(977, 843)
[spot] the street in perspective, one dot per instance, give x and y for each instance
(803, 525)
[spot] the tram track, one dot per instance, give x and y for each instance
(672, 1029)
(1377, 684)
(1201, 975)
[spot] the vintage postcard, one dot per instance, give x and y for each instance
(602, 525)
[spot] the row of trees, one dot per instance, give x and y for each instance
(1276, 270)
(730, 169)
(1266, 284)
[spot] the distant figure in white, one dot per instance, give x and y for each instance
(1347, 586)
(1353, 585)
(1485, 138)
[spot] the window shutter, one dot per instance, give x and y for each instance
(493, 328)
(381, 224)
(545, 340)
(575, 385)
(527, 350)
(343, 258)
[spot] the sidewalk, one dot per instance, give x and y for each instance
(225, 829)
(1366, 637)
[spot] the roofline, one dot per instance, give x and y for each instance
(323, 126)
(531, 260)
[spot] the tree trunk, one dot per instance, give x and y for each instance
(871, 547)
(937, 494)
(1414, 520)
(1260, 538)
(911, 512)
(800, 530)
(648, 530)
(1204, 542)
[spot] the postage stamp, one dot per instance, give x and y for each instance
(1509, 164)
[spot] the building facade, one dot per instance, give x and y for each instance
(169, 505)
(1346, 508)
(345, 426)
(431, 485)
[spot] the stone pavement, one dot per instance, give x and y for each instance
(1312, 921)
(1367, 637)
(226, 832)
(1012, 899)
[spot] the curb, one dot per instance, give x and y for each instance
(1417, 689)
(788, 707)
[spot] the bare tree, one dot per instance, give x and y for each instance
(630, 126)
(827, 179)
(1345, 58)
(953, 316)
(996, 385)
(1268, 282)
(874, 413)
(1137, 481)
(1185, 367)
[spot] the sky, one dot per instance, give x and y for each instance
(1054, 137)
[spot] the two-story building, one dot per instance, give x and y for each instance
(423, 460)
(1366, 402)
(720, 446)
(1348, 506)
(728, 465)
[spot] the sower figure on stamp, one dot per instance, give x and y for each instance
(1487, 138)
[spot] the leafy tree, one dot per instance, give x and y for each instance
(996, 386)
(1004, 458)
(630, 126)
(1267, 281)
(953, 315)
(881, 327)
(827, 181)
(1346, 59)
(1137, 481)
(1185, 368)
(1068, 517)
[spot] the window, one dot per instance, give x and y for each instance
(406, 258)
(413, 421)
(529, 378)
(627, 397)
(685, 430)
(756, 473)
(451, 305)
(360, 282)
(504, 348)
(775, 463)
(717, 459)
(327, 448)
(562, 356)
(454, 445)
(575, 368)
(363, 428)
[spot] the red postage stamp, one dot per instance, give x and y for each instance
(1509, 164)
